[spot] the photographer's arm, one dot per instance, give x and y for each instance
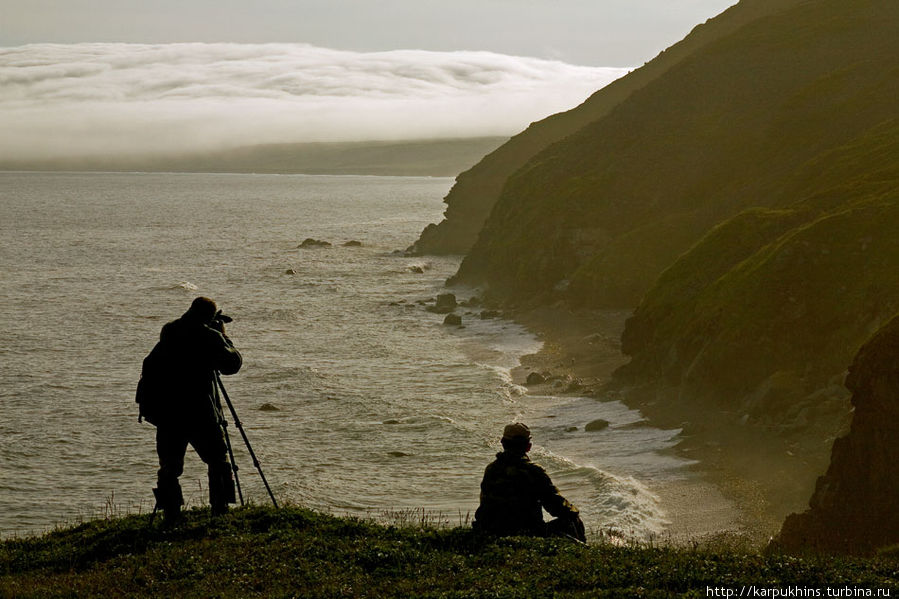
(225, 357)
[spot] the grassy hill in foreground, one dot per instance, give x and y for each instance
(293, 552)
(428, 158)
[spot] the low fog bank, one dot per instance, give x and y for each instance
(93, 100)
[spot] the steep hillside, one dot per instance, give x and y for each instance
(763, 315)
(476, 190)
(754, 326)
(596, 217)
(853, 508)
(747, 202)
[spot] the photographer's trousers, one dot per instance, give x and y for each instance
(207, 439)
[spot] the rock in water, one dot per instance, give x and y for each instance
(535, 378)
(597, 425)
(314, 243)
(267, 407)
(353, 244)
(453, 320)
(446, 303)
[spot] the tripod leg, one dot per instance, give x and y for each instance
(234, 467)
(224, 424)
(237, 423)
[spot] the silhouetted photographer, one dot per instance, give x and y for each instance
(515, 491)
(177, 393)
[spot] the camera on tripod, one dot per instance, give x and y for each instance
(218, 321)
(221, 318)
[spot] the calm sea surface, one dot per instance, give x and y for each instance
(380, 407)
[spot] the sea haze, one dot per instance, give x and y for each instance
(378, 405)
(70, 100)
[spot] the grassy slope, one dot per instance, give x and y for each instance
(610, 207)
(792, 293)
(476, 191)
(757, 323)
(295, 552)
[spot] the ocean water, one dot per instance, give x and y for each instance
(380, 408)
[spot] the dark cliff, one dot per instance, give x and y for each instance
(746, 201)
(476, 190)
(853, 509)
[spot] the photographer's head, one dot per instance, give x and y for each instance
(516, 438)
(202, 310)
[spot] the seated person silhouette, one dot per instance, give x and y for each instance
(515, 491)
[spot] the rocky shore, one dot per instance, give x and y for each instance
(745, 480)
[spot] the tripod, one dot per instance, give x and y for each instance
(237, 423)
(219, 386)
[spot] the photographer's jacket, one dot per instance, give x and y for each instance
(183, 366)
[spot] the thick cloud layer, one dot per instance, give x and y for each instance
(82, 99)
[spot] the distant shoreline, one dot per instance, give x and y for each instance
(223, 173)
(422, 158)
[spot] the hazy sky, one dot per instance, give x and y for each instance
(622, 33)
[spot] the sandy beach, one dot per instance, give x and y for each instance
(728, 493)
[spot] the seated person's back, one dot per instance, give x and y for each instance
(515, 491)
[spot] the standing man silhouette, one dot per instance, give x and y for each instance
(180, 371)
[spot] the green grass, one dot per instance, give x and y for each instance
(294, 552)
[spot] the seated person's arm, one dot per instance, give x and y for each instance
(552, 500)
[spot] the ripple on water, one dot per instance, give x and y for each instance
(379, 408)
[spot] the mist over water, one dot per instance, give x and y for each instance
(379, 406)
(70, 100)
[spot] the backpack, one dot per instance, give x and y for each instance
(153, 394)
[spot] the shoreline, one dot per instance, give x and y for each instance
(710, 503)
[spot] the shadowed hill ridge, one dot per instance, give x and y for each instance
(476, 190)
(598, 216)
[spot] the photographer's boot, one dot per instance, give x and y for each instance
(170, 501)
(221, 490)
